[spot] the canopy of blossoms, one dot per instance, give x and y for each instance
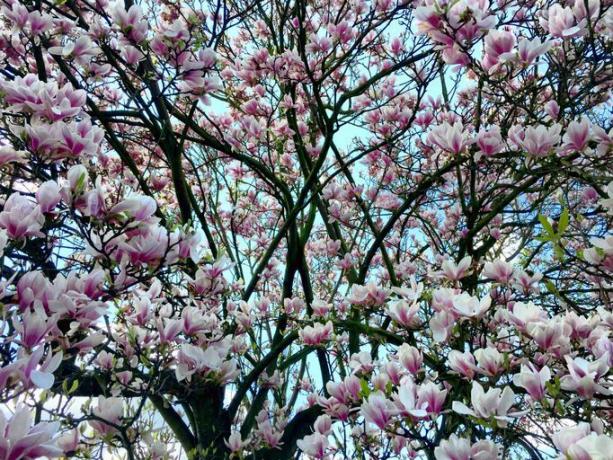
(327, 229)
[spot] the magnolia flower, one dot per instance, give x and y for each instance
(138, 207)
(455, 272)
(495, 403)
(523, 314)
(580, 443)
(539, 141)
(407, 400)
(577, 136)
(532, 380)
(314, 445)
(499, 270)
(466, 305)
(377, 409)
(489, 141)
(316, 334)
(48, 196)
(449, 138)
(234, 442)
(405, 313)
(489, 360)
(19, 439)
(498, 46)
(561, 22)
(456, 448)
(462, 363)
(10, 155)
(21, 217)
(410, 358)
(371, 294)
(584, 375)
(529, 50)
(441, 324)
(110, 410)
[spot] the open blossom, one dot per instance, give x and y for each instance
(455, 272)
(10, 155)
(21, 217)
(371, 294)
(468, 306)
(404, 313)
(489, 360)
(490, 141)
(48, 196)
(316, 334)
(110, 410)
(533, 380)
(529, 50)
(577, 136)
(315, 445)
(449, 138)
(456, 448)
(138, 207)
(21, 439)
(377, 409)
(579, 442)
(462, 363)
(584, 376)
(410, 358)
(499, 270)
(210, 362)
(494, 403)
(539, 141)
(498, 46)
(561, 22)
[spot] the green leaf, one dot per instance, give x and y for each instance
(365, 390)
(564, 220)
(546, 225)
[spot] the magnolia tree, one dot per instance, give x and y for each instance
(317, 229)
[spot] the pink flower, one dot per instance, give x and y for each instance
(499, 44)
(48, 196)
(489, 361)
(441, 324)
(33, 326)
(406, 400)
(468, 306)
(138, 207)
(405, 313)
(529, 50)
(490, 141)
(19, 439)
(455, 272)
(561, 23)
(110, 410)
(10, 155)
(314, 445)
(410, 358)
(532, 380)
(577, 136)
(377, 410)
(431, 397)
(495, 403)
(449, 138)
(454, 448)
(539, 141)
(584, 376)
(317, 334)
(234, 442)
(21, 217)
(131, 22)
(462, 363)
(499, 270)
